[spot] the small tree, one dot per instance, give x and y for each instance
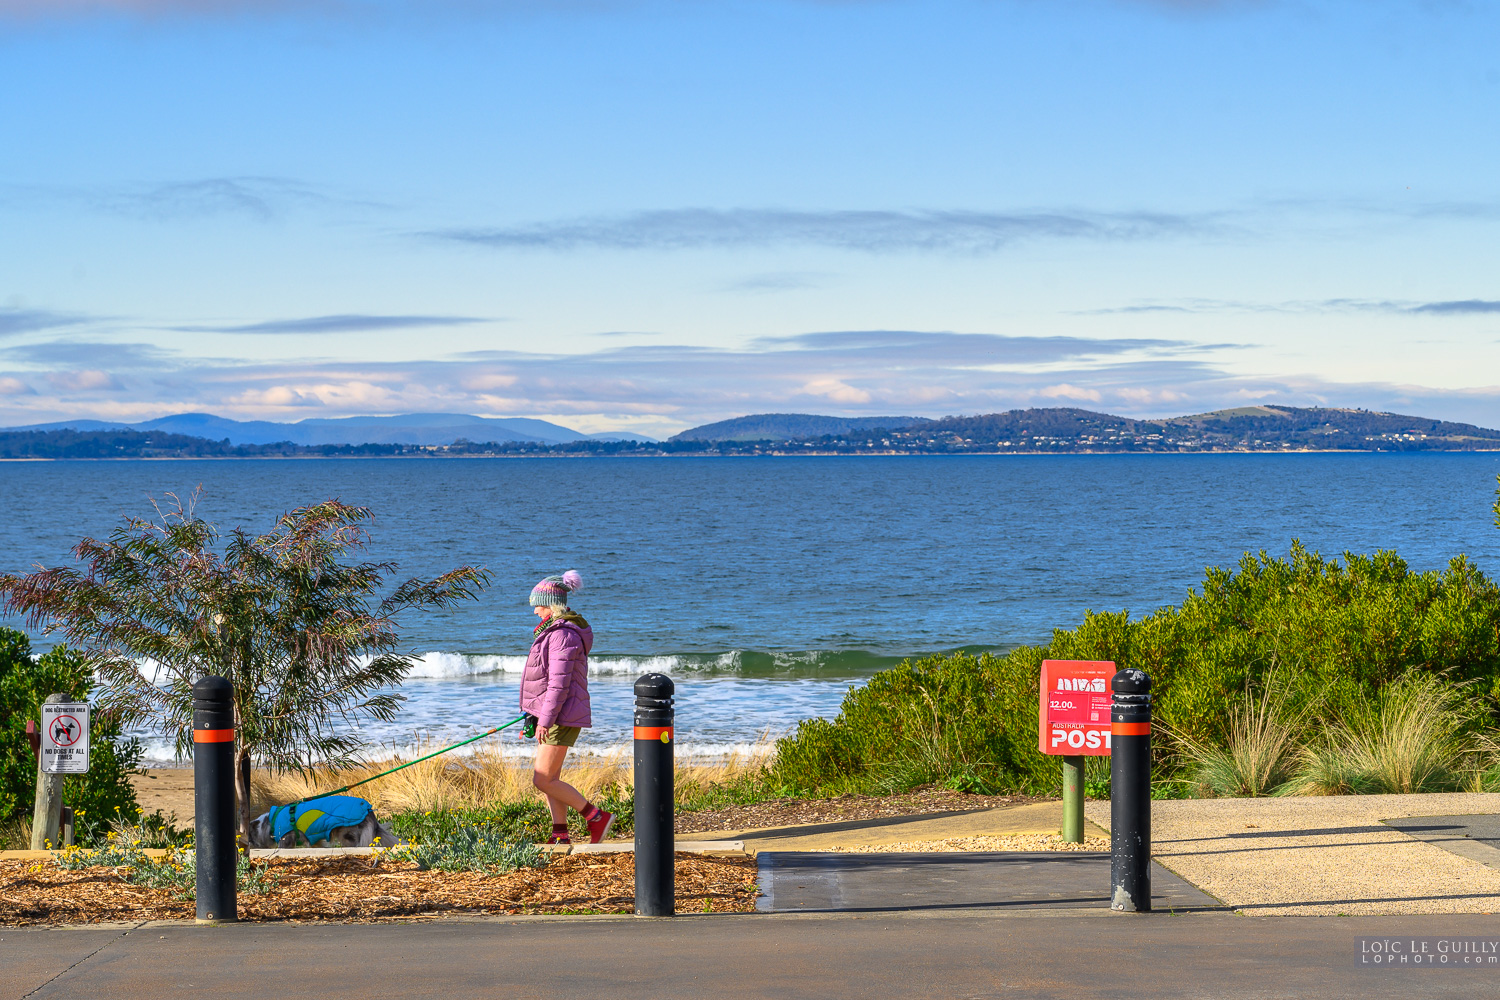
(301, 634)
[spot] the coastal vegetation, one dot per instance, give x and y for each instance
(1297, 674)
(101, 798)
(297, 627)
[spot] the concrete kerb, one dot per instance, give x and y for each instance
(709, 847)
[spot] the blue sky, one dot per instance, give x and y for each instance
(644, 216)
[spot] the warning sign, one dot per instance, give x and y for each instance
(1073, 707)
(65, 738)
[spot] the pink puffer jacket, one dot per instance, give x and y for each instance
(555, 684)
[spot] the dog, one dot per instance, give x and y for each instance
(331, 821)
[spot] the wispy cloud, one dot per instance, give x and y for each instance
(964, 232)
(88, 380)
(342, 323)
(92, 353)
(261, 198)
(14, 321)
(1461, 307)
(926, 348)
(1457, 307)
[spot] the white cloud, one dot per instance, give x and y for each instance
(836, 390)
(1066, 391)
(87, 380)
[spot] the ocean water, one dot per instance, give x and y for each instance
(767, 587)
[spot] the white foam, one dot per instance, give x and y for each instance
(160, 753)
(440, 664)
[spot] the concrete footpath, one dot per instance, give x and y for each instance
(1032, 819)
(1072, 954)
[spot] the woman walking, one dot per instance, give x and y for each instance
(555, 691)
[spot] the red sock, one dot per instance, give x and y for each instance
(560, 828)
(589, 811)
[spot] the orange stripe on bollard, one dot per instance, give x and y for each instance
(213, 735)
(663, 733)
(1130, 729)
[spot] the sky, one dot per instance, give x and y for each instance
(644, 216)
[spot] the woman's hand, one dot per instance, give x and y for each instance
(541, 734)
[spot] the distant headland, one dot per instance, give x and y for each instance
(1053, 430)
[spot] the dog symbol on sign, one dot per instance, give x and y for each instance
(65, 730)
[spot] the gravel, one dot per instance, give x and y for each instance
(1320, 856)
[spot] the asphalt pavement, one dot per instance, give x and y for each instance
(961, 954)
(798, 882)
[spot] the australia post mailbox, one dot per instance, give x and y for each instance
(1073, 710)
(1073, 722)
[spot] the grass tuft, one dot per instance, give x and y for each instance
(1407, 738)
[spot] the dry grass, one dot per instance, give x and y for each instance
(1259, 754)
(484, 778)
(1407, 740)
(15, 834)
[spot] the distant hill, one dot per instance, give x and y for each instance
(1051, 430)
(409, 429)
(788, 427)
(1065, 429)
(1253, 428)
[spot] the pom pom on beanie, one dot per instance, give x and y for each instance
(554, 590)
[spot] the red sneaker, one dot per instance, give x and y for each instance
(600, 825)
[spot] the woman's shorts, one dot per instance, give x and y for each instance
(561, 736)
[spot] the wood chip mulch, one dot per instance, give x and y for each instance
(352, 889)
(805, 812)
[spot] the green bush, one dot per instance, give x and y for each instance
(98, 798)
(510, 821)
(1331, 634)
(474, 849)
(176, 870)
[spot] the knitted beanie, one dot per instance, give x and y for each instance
(554, 590)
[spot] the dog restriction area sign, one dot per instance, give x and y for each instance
(65, 738)
(1073, 713)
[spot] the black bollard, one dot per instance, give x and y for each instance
(1130, 792)
(213, 799)
(655, 867)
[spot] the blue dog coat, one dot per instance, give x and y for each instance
(315, 820)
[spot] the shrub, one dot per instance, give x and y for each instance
(510, 821)
(964, 720)
(176, 870)
(99, 797)
(1331, 634)
(474, 849)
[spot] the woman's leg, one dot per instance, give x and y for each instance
(560, 794)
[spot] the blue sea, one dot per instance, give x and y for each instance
(768, 586)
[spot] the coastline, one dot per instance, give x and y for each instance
(809, 453)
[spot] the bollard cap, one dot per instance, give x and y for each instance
(1130, 681)
(213, 688)
(657, 686)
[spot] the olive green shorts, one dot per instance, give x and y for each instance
(561, 736)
